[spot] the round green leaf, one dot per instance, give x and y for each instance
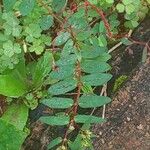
(120, 7)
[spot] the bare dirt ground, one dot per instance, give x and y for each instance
(128, 126)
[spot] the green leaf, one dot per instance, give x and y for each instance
(110, 1)
(58, 5)
(42, 68)
(87, 89)
(12, 84)
(8, 4)
(63, 87)
(26, 7)
(89, 119)
(102, 41)
(77, 144)
(55, 120)
(11, 48)
(37, 46)
(84, 35)
(55, 142)
(103, 57)
(102, 27)
(61, 38)
(126, 2)
(70, 59)
(32, 31)
(62, 72)
(93, 66)
(130, 8)
(68, 48)
(93, 2)
(91, 51)
(120, 7)
(96, 79)
(17, 115)
(77, 23)
(57, 102)
(46, 22)
(11, 138)
(125, 41)
(88, 101)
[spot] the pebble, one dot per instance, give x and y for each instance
(140, 127)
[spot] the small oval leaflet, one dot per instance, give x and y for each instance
(96, 79)
(91, 51)
(62, 72)
(70, 59)
(63, 87)
(46, 22)
(55, 120)
(55, 142)
(61, 38)
(89, 119)
(93, 66)
(57, 102)
(89, 101)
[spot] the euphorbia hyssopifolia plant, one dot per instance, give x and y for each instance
(55, 52)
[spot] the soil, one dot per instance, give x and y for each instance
(128, 126)
(128, 123)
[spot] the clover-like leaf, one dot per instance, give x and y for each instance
(46, 22)
(26, 7)
(10, 49)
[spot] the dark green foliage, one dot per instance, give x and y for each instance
(57, 102)
(55, 120)
(55, 142)
(88, 101)
(96, 79)
(56, 53)
(63, 87)
(26, 6)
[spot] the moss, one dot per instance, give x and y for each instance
(119, 81)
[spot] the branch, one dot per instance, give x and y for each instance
(101, 13)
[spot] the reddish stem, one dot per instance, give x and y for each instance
(101, 13)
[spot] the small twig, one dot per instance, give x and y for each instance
(115, 47)
(104, 107)
(101, 93)
(120, 43)
(50, 11)
(101, 13)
